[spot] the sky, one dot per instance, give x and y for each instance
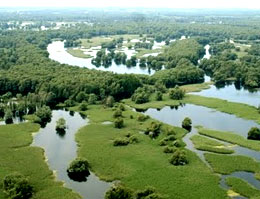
(247, 4)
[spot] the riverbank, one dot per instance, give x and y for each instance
(16, 155)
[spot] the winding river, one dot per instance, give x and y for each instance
(60, 150)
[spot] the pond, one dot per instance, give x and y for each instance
(60, 150)
(209, 118)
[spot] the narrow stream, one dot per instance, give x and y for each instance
(61, 150)
(211, 119)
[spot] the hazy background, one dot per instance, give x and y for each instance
(244, 4)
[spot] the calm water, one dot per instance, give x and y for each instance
(232, 94)
(211, 119)
(61, 150)
(58, 53)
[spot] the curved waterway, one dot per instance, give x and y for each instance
(212, 119)
(58, 53)
(61, 150)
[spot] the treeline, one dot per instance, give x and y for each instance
(225, 65)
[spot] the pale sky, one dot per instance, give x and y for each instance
(252, 4)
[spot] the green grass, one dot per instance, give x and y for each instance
(227, 164)
(97, 41)
(142, 164)
(78, 53)
(17, 156)
(242, 187)
(141, 51)
(196, 87)
(231, 138)
(257, 176)
(206, 144)
(238, 109)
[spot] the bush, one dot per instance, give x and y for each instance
(170, 138)
(83, 106)
(121, 142)
(133, 139)
(176, 93)
(121, 107)
(158, 96)
(117, 113)
(8, 116)
(118, 191)
(69, 103)
(142, 118)
(162, 142)
(16, 186)
(178, 143)
(44, 114)
(254, 134)
(186, 123)
(61, 126)
(119, 123)
(148, 193)
(92, 99)
(78, 170)
(153, 130)
(110, 101)
(169, 149)
(179, 157)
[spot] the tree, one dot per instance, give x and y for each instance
(16, 186)
(119, 123)
(254, 134)
(8, 116)
(83, 106)
(186, 123)
(61, 126)
(117, 113)
(110, 101)
(44, 114)
(92, 98)
(118, 191)
(177, 93)
(78, 169)
(179, 157)
(158, 96)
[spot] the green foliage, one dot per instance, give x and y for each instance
(158, 96)
(142, 117)
(168, 149)
(179, 158)
(110, 101)
(44, 114)
(153, 130)
(61, 124)
(78, 169)
(147, 193)
(120, 142)
(254, 134)
(83, 106)
(69, 103)
(8, 117)
(92, 99)
(16, 186)
(118, 191)
(186, 123)
(117, 113)
(119, 123)
(176, 93)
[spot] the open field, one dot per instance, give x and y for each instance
(16, 155)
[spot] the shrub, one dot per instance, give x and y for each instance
(119, 123)
(178, 143)
(61, 126)
(170, 138)
(110, 101)
(133, 139)
(158, 96)
(83, 106)
(169, 149)
(142, 118)
(92, 99)
(69, 103)
(179, 157)
(153, 130)
(8, 116)
(121, 142)
(176, 93)
(44, 114)
(254, 134)
(162, 142)
(144, 193)
(118, 191)
(78, 169)
(186, 123)
(121, 107)
(16, 186)
(117, 113)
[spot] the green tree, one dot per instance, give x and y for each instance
(176, 93)
(254, 134)
(8, 116)
(186, 123)
(16, 186)
(179, 157)
(44, 114)
(78, 169)
(118, 191)
(119, 123)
